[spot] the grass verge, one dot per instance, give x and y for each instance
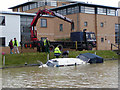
(31, 58)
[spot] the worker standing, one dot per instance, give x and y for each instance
(11, 46)
(15, 45)
(57, 52)
(47, 45)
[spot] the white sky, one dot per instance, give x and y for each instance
(5, 4)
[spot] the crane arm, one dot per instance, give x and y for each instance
(39, 14)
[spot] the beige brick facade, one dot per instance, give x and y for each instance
(107, 31)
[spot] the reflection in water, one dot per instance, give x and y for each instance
(89, 76)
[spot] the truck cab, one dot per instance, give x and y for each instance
(90, 36)
(87, 39)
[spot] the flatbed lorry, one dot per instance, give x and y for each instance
(78, 40)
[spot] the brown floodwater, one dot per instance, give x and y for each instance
(83, 76)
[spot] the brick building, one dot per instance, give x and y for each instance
(102, 20)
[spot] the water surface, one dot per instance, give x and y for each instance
(83, 76)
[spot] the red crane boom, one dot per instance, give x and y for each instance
(42, 12)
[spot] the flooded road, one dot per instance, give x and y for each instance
(83, 76)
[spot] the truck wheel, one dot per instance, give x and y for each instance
(60, 47)
(51, 48)
(90, 47)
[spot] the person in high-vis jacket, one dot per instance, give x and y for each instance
(47, 45)
(15, 45)
(57, 52)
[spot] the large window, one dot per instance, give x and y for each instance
(111, 12)
(53, 3)
(43, 22)
(2, 41)
(117, 33)
(77, 9)
(40, 4)
(18, 9)
(64, 11)
(34, 5)
(85, 9)
(25, 28)
(72, 10)
(69, 10)
(102, 11)
(25, 8)
(49, 3)
(2, 20)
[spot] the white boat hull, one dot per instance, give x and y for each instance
(59, 62)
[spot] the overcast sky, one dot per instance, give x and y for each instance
(5, 4)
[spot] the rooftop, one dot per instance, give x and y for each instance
(22, 13)
(86, 4)
(33, 1)
(74, 3)
(17, 13)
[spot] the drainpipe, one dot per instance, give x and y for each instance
(78, 19)
(96, 27)
(78, 22)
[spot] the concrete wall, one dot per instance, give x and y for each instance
(11, 29)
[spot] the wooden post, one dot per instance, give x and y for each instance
(3, 60)
(76, 44)
(47, 56)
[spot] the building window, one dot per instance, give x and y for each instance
(117, 33)
(102, 39)
(85, 9)
(53, 3)
(2, 20)
(25, 8)
(102, 24)
(61, 27)
(77, 9)
(34, 5)
(102, 11)
(41, 3)
(85, 24)
(18, 9)
(111, 12)
(73, 10)
(69, 11)
(2, 41)
(64, 12)
(43, 22)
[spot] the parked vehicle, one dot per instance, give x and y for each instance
(79, 41)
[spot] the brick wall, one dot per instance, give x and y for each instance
(107, 32)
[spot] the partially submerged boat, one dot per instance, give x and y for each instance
(90, 58)
(59, 62)
(86, 58)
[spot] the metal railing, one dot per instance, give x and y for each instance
(117, 46)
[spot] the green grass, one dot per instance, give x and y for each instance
(31, 58)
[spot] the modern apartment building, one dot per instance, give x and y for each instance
(14, 25)
(103, 20)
